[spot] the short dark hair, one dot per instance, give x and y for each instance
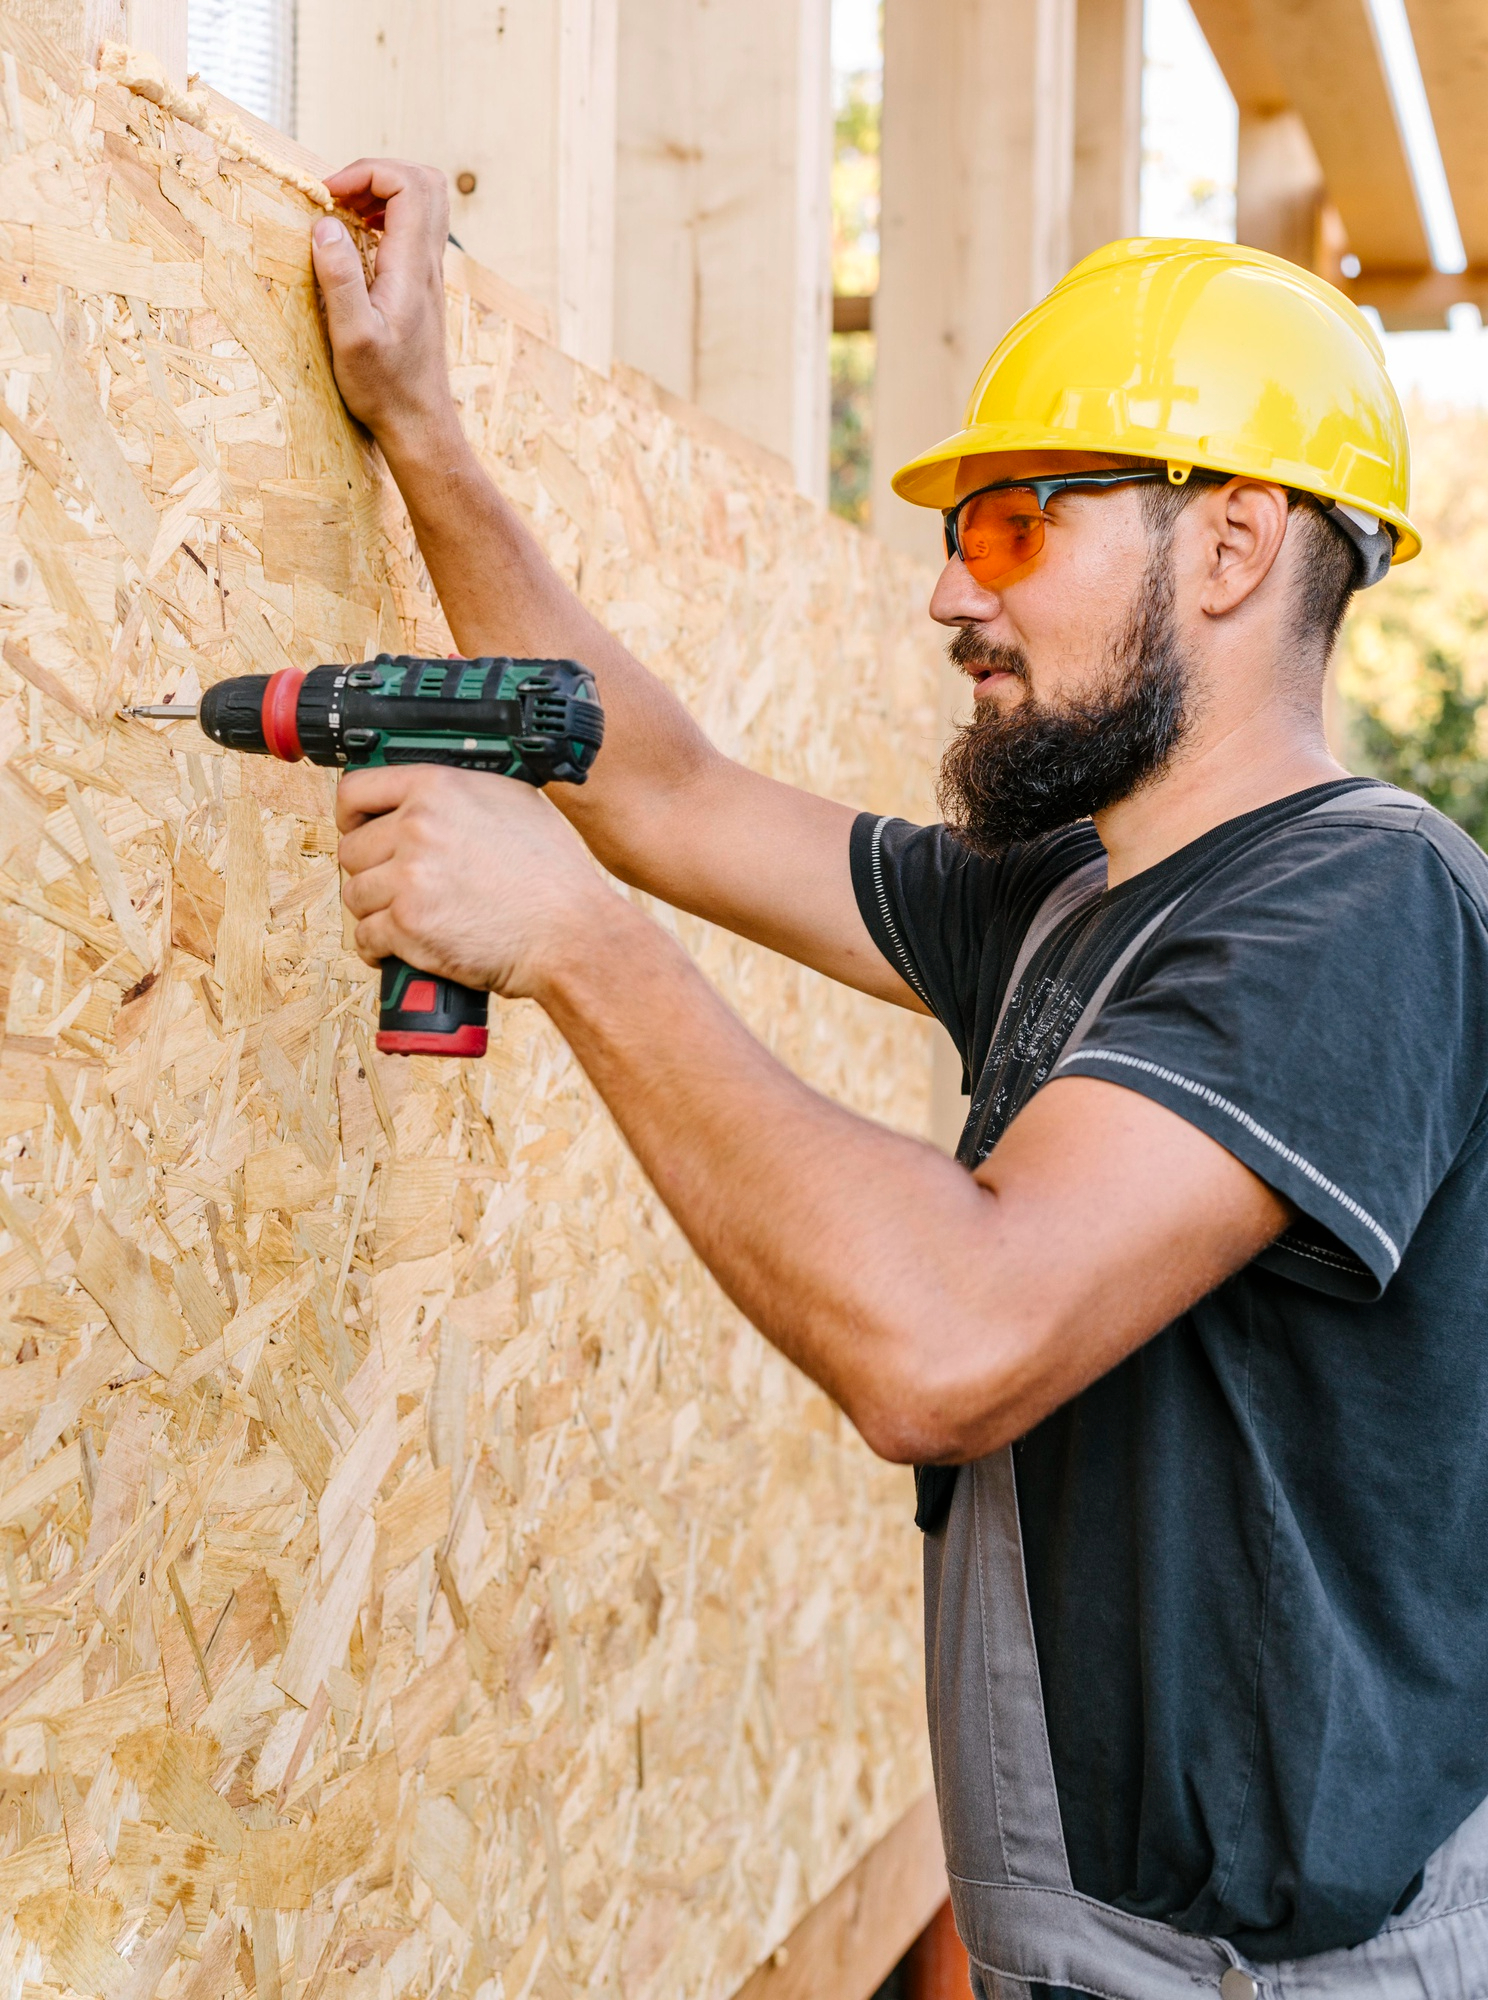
(1329, 562)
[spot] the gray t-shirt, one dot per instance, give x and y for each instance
(1257, 1550)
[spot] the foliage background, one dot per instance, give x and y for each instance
(1411, 700)
(855, 185)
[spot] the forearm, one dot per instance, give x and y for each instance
(662, 808)
(500, 594)
(840, 1240)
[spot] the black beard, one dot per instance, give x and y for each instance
(1008, 777)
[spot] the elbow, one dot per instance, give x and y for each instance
(903, 1438)
(936, 1403)
(910, 1435)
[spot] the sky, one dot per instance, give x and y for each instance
(1188, 176)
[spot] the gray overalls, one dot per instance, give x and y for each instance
(1019, 1914)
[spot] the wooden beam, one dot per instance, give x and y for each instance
(1451, 39)
(846, 1946)
(978, 166)
(1321, 59)
(1108, 124)
(516, 104)
(1409, 301)
(723, 289)
(852, 312)
(584, 206)
(937, 1967)
(1278, 186)
(1244, 54)
(160, 27)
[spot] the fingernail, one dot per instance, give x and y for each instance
(327, 231)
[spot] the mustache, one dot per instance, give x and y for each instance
(970, 648)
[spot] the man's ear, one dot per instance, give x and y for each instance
(1243, 525)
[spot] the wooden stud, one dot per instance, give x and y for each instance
(725, 138)
(1278, 186)
(1108, 124)
(978, 166)
(848, 1943)
(515, 102)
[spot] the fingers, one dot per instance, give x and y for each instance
(343, 284)
(361, 795)
(367, 183)
(370, 844)
(375, 940)
(372, 890)
(417, 203)
(400, 197)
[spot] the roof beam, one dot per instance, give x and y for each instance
(1320, 57)
(1451, 38)
(1409, 301)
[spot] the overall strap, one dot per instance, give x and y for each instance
(1086, 885)
(1102, 992)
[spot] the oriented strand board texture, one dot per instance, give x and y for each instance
(416, 1579)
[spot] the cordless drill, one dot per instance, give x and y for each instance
(537, 720)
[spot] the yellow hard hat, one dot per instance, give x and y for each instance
(1203, 354)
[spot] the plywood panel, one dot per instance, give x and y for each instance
(413, 1576)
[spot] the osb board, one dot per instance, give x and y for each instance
(416, 1579)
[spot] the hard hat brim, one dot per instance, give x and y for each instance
(931, 479)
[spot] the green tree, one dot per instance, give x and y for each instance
(1413, 663)
(855, 196)
(1439, 755)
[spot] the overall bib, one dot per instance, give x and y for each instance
(1020, 1916)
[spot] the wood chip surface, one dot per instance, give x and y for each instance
(416, 1578)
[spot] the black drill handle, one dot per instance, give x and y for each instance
(419, 1014)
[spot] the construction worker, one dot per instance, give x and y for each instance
(1188, 1342)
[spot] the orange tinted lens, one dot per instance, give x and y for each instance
(999, 532)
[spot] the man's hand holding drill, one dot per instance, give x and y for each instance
(468, 876)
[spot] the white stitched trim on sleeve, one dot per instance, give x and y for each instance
(905, 961)
(1212, 1097)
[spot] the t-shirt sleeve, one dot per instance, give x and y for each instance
(925, 899)
(1322, 1017)
(935, 909)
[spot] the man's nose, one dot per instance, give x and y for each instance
(958, 599)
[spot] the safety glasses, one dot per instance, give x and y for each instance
(1000, 527)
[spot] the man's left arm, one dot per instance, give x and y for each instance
(945, 1313)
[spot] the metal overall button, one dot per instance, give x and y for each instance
(1237, 1985)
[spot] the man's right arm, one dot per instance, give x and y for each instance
(663, 809)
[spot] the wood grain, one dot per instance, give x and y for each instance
(453, 1594)
(848, 1944)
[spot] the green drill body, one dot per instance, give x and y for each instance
(538, 721)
